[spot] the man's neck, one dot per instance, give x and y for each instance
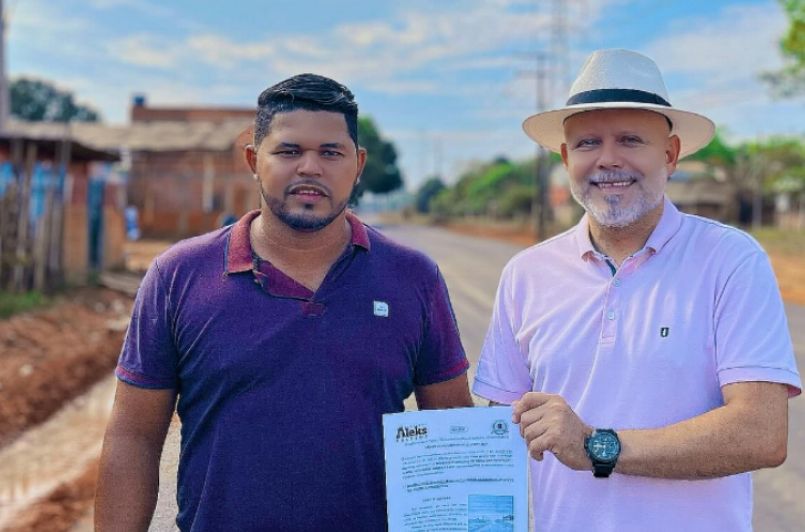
(286, 247)
(619, 243)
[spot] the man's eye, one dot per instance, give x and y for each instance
(586, 143)
(631, 139)
(287, 153)
(331, 153)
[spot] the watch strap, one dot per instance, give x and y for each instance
(601, 470)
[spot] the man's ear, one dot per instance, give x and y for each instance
(250, 152)
(672, 149)
(361, 164)
(564, 154)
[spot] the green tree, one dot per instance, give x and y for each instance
(499, 188)
(381, 174)
(516, 200)
(782, 163)
(429, 190)
(755, 169)
(790, 80)
(37, 101)
(717, 153)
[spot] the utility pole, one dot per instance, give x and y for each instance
(5, 111)
(539, 205)
(437, 156)
(539, 201)
(551, 78)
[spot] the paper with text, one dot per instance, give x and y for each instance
(459, 469)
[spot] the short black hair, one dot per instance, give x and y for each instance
(309, 92)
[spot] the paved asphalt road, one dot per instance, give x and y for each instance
(471, 267)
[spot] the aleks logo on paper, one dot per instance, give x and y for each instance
(414, 432)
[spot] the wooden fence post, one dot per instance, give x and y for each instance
(22, 260)
(56, 259)
(42, 238)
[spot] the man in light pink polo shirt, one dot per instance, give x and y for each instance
(645, 351)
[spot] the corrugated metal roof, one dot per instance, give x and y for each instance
(147, 136)
(48, 138)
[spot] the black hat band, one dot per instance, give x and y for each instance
(617, 95)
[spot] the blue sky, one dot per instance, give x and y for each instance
(450, 82)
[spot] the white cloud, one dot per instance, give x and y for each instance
(742, 40)
(224, 53)
(716, 63)
(145, 50)
(55, 29)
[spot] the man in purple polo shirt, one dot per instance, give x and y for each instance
(285, 337)
(645, 351)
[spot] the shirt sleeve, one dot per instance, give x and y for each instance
(502, 375)
(441, 355)
(752, 339)
(148, 358)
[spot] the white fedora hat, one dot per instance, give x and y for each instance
(619, 79)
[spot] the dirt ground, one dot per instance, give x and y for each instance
(51, 355)
(61, 508)
(140, 254)
(790, 272)
(47, 357)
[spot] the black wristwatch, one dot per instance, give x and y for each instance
(603, 447)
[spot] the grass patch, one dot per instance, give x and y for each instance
(783, 241)
(11, 304)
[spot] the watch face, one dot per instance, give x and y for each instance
(604, 446)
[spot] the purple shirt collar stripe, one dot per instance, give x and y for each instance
(239, 247)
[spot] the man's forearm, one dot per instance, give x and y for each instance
(743, 436)
(452, 393)
(128, 483)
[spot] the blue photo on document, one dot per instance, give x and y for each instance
(490, 513)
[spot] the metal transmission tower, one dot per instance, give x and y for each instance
(559, 47)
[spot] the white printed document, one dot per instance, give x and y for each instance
(458, 469)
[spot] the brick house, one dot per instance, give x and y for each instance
(184, 167)
(187, 171)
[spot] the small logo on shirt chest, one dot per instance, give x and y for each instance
(664, 332)
(381, 308)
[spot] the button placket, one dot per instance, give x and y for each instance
(610, 314)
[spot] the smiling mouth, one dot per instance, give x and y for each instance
(307, 191)
(613, 185)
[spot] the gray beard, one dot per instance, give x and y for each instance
(614, 214)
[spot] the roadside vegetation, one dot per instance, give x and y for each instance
(782, 242)
(11, 304)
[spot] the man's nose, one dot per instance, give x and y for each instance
(309, 164)
(610, 156)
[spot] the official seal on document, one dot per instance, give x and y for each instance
(500, 427)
